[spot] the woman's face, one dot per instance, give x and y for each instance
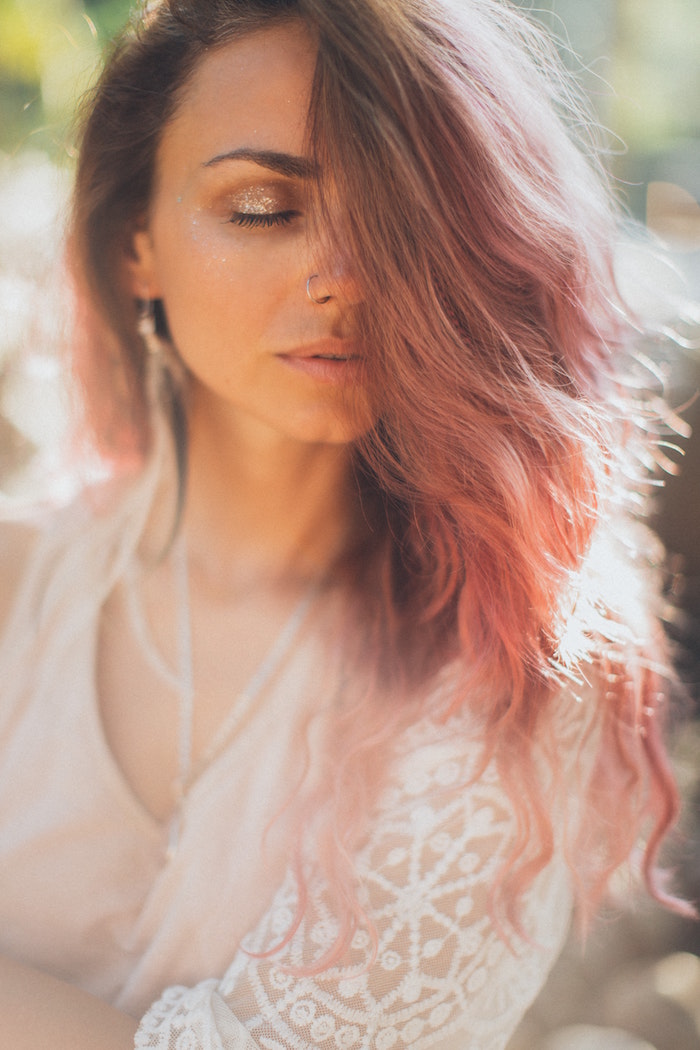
(227, 246)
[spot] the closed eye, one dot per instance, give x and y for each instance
(264, 220)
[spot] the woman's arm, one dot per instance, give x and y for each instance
(38, 1012)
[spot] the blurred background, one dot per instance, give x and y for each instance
(637, 985)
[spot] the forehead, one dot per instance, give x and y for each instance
(253, 91)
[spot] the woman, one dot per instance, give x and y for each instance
(321, 717)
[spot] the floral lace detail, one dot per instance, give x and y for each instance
(441, 975)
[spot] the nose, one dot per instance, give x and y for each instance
(333, 279)
(323, 299)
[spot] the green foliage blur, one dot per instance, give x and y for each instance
(49, 54)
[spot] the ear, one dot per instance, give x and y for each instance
(140, 264)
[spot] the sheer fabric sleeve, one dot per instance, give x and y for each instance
(441, 974)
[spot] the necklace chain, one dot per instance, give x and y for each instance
(182, 681)
(187, 773)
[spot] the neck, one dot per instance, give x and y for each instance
(262, 508)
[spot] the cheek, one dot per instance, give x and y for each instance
(194, 256)
(209, 272)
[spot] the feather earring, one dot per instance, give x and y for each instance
(166, 389)
(164, 369)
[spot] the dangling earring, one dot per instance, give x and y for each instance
(146, 326)
(166, 390)
(164, 369)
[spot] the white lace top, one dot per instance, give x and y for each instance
(88, 892)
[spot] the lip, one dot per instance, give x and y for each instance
(328, 360)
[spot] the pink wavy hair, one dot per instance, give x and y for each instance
(507, 443)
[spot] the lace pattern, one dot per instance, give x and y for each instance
(441, 975)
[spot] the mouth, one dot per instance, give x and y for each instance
(327, 360)
(331, 349)
(332, 357)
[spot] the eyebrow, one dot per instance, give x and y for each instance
(283, 163)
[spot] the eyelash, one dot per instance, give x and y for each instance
(262, 220)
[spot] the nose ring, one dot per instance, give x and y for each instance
(323, 299)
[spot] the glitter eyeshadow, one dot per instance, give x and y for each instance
(256, 202)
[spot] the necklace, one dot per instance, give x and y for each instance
(182, 681)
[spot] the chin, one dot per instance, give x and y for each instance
(336, 428)
(330, 435)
